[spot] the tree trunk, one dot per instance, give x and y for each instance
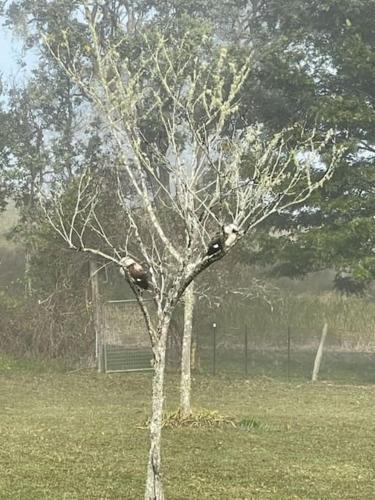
(319, 353)
(154, 487)
(28, 282)
(185, 385)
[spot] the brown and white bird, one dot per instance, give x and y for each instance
(135, 271)
(223, 240)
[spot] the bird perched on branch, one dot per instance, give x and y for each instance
(135, 271)
(223, 240)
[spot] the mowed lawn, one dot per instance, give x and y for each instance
(81, 435)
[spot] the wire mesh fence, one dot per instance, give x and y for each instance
(237, 352)
(124, 342)
(278, 343)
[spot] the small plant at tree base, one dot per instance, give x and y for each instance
(202, 418)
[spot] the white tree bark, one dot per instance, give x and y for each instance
(185, 384)
(319, 353)
(154, 486)
(28, 282)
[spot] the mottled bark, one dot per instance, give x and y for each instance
(154, 487)
(28, 282)
(185, 385)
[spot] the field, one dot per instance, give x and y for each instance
(80, 435)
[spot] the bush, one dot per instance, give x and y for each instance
(60, 327)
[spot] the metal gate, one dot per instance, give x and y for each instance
(124, 359)
(125, 344)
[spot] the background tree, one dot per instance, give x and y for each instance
(49, 135)
(323, 59)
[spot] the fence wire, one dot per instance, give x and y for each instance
(256, 341)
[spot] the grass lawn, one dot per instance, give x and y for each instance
(80, 436)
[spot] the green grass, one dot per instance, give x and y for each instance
(81, 435)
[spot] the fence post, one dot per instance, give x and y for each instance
(288, 361)
(319, 353)
(246, 352)
(96, 311)
(214, 349)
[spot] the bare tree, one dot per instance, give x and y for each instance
(224, 180)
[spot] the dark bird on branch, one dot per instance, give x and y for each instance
(223, 240)
(135, 271)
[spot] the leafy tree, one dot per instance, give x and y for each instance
(328, 48)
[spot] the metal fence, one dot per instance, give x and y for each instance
(239, 346)
(124, 342)
(119, 358)
(287, 355)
